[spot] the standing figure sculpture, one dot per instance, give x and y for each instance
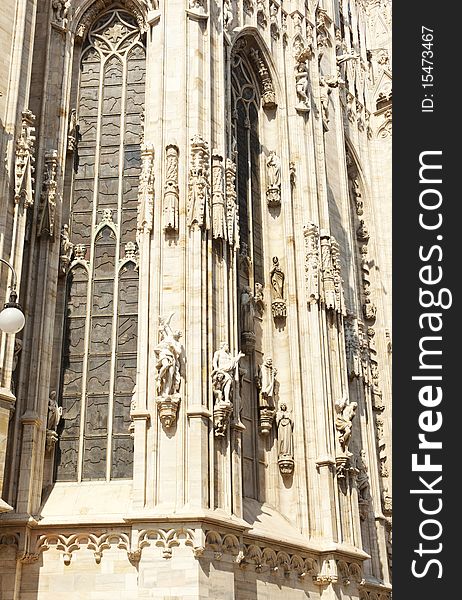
(273, 168)
(168, 364)
(344, 422)
(277, 277)
(301, 87)
(223, 362)
(285, 427)
(266, 380)
(225, 375)
(277, 280)
(248, 305)
(54, 415)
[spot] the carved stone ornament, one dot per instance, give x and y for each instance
(357, 196)
(277, 278)
(248, 7)
(231, 202)
(47, 208)
(382, 447)
(369, 308)
(338, 281)
(198, 6)
(24, 165)
(312, 263)
(285, 426)
(266, 83)
(222, 412)
(95, 10)
(199, 185)
(219, 207)
(55, 413)
(333, 295)
(66, 250)
(146, 190)
(262, 18)
(168, 364)
(274, 20)
(273, 170)
(171, 190)
(323, 22)
(352, 348)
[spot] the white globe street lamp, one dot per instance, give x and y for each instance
(11, 317)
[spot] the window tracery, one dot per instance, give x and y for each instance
(99, 347)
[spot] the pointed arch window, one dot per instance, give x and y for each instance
(246, 141)
(99, 351)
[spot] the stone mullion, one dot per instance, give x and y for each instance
(115, 301)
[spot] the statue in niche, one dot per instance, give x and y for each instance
(325, 91)
(244, 260)
(54, 415)
(266, 379)
(259, 300)
(225, 376)
(66, 250)
(227, 14)
(277, 277)
(362, 484)
(277, 280)
(168, 363)
(301, 87)
(74, 137)
(16, 353)
(222, 408)
(285, 426)
(346, 411)
(273, 192)
(248, 305)
(168, 353)
(223, 362)
(61, 9)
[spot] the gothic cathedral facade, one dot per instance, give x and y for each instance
(196, 199)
